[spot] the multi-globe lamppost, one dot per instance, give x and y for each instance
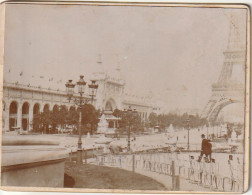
(80, 102)
(130, 116)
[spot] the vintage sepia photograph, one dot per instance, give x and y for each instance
(125, 97)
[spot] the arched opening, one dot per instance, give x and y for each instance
(25, 116)
(63, 108)
(228, 117)
(46, 108)
(36, 111)
(215, 112)
(55, 108)
(13, 115)
(109, 106)
(72, 108)
(233, 113)
(111, 124)
(36, 108)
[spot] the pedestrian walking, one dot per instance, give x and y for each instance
(206, 148)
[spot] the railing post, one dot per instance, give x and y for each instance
(175, 178)
(173, 175)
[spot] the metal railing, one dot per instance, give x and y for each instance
(197, 173)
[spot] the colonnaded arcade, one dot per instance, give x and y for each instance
(21, 102)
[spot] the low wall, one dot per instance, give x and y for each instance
(32, 162)
(86, 154)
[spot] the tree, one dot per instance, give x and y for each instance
(137, 125)
(72, 117)
(133, 120)
(52, 118)
(62, 114)
(117, 113)
(37, 121)
(89, 116)
(179, 121)
(56, 119)
(153, 118)
(41, 122)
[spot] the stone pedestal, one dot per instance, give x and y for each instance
(28, 161)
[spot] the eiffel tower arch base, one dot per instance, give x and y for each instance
(230, 87)
(219, 100)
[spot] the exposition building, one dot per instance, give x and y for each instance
(21, 102)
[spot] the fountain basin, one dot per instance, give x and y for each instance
(32, 162)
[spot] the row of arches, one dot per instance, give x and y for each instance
(22, 117)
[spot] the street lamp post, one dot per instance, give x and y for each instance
(130, 115)
(188, 128)
(81, 90)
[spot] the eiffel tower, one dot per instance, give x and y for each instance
(228, 89)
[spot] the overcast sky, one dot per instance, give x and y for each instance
(177, 53)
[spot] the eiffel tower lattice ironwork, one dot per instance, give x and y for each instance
(227, 89)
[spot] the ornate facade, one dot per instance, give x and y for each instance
(22, 102)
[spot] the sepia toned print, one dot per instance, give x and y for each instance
(122, 97)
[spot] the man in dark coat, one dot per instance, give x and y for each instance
(206, 148)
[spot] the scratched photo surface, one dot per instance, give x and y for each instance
(148, 98)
